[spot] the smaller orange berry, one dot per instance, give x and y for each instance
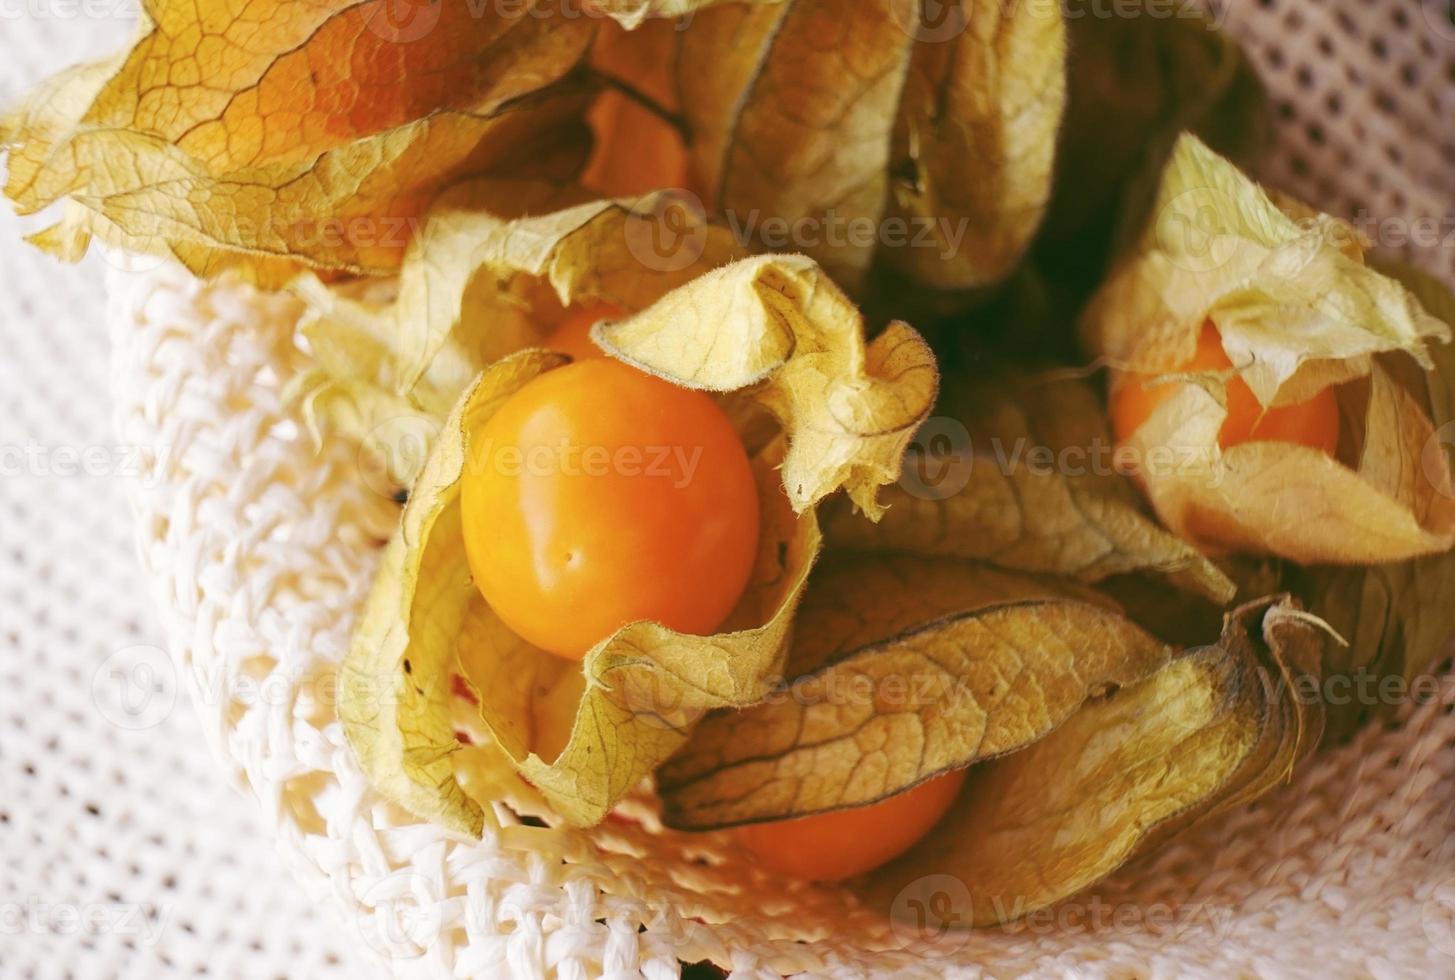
(843, 843)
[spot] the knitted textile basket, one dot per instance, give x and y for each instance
(260, 548)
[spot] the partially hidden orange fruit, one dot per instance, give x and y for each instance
(573, 333)
(843, 843)
(1313, 423)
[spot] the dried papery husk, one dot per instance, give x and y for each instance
(905, 668)
(846, 409)
(1297, 311)
(1216, 727)
(316, 144)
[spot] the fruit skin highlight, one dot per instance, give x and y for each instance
(840, 844)
(1313, 423)
(572, 335)
(599, 495)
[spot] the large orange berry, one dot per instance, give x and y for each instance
(599, 495)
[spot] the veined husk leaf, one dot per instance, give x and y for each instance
(904, 668)
(1300, 503)
(778, 325)
(975, 141)
(791, 110)
(491, 272)
(395, 681)
(1215, 728)
(1134, 83)
(1033, 520)
(1032, 487)
(644, 687)
(1297, 310)
(1395, 617)
(819, 120)
(1288, 290)
(30, 128)
(317, 141)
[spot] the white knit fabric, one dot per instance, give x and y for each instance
(258, 549)
(123, 856)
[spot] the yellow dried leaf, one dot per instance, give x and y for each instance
(779, 324)
(1017, 470)
(1295, 305)
(1278, 498)
(395, 682)
(354, 208)
(1215, 728)
(848, 130)
(319, 141)
(478, 284)
(918, 666)
(1296, 311)
(975, 141)
(644, 687)
(469, 268)
(1034, 520)
(232, 96)
(802, 109)
(1395, 617)
(30, 129)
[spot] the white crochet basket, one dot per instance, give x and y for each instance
(260, 547)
